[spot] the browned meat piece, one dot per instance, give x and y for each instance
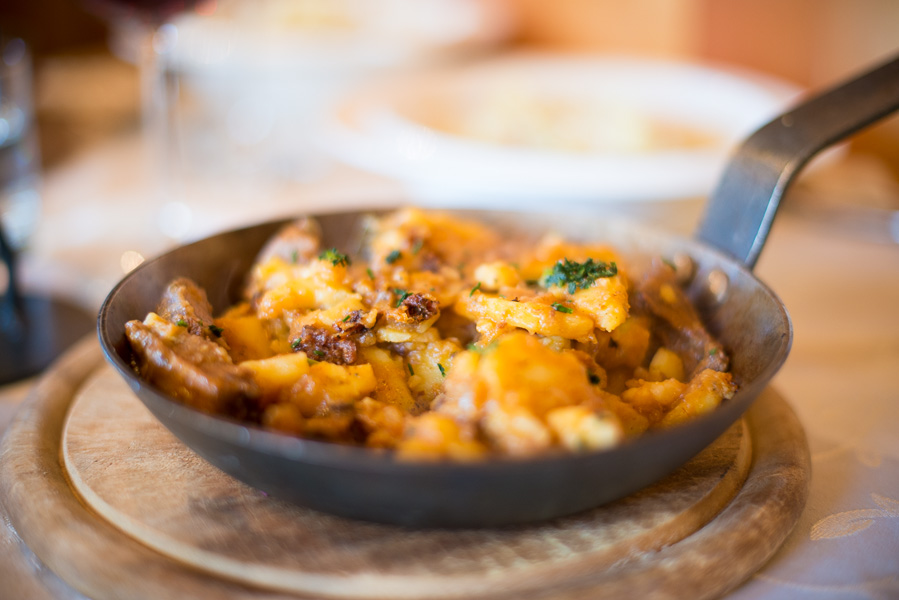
(356, 323)
(184, 303)
(295, 243)
(678, 326)
(418, 308)
(322, 344)
(193, 369)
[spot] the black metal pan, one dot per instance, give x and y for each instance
(737, 308)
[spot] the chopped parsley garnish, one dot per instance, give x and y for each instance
(411, 370)
(561, 308)
(346, 318)
(593, 377)
(295, 257)
(371, 274)
(579, 275)
(336, 258)
(181, 323)
(394, 256)
(416, 247)
(713, 351)
(318, 353)
(295, 345)
(402, 295)
(311, 361)
(474, 289)
(442, 370)
(216, 331)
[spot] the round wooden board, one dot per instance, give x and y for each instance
(159, 522)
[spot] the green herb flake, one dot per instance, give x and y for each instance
(411, 370)
(346, 318)
(713, 351)
(416, 247)
(295, 257)
(216, 331)
(335, 257)
(670, 263)
(371, 274)
(474, 289)
(561, 308)
(181, 323)
(318, 353)
(576, 275)
(442, 370)
(394, 256)
(295, 345)
(311, 361)
(401, 295)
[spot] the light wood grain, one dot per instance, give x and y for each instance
(138, 476)
(218, 538)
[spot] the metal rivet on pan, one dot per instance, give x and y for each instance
(718, 283)
(684, 267)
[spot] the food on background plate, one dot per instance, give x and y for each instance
(440, 339)
(512, 113)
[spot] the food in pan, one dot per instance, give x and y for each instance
(440, 339)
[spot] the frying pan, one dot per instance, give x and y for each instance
(737, 308)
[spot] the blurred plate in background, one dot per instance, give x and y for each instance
(530, 129)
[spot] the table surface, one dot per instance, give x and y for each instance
(104, 209)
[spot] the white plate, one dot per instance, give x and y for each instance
(392, 130)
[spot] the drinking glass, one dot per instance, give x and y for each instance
(34, 330)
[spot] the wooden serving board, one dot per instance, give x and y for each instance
(117, 506)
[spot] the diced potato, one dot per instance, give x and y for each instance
(284, 417)
(433, 436)
(632, 422)
(335, 314)
(293, 295)
(535, 317)
(276, 373)
(666, 364)
(424, 364)
(288, 417)
(578, 428)
(521, 371)
(704, 393)
(626, 346)
(327, 387)
(515, 430)
(653, 399)
(510, 387)
(246, 337)
(390, 373)
(495, 275)
(383, 423)
(605, 302)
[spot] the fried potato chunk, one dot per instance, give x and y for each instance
(510, 388)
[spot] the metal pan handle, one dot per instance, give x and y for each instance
(742, 207)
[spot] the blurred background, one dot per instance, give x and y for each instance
(160, 121)
(87, 85)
